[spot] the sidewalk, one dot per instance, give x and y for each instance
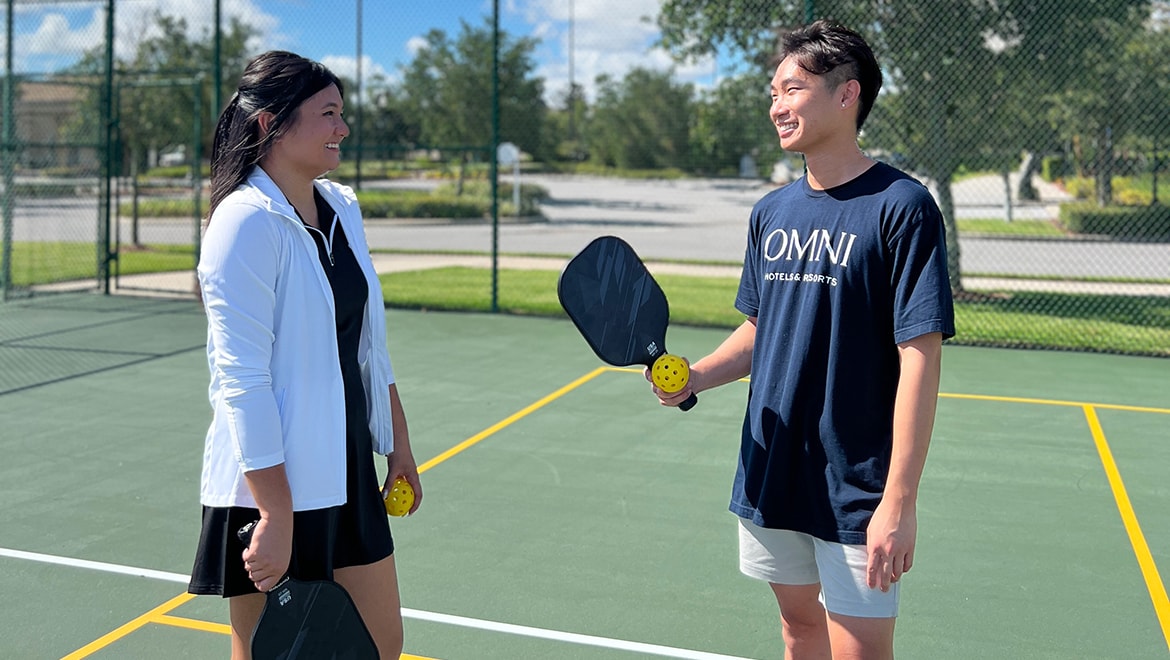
(182, 283)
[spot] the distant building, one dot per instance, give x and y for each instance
(45, 112)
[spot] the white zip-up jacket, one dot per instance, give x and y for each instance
(276, 391)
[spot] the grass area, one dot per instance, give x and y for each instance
(442, 202)
(164, 207)
(1001, 227)
(1081, 322)
(44, 263)
(1112, 324)
(1088, 322)
(701, 301)
(1070, 278)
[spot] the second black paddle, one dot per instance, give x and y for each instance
(309, 619)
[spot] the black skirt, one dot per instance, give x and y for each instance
(353, 534)
(323, 540)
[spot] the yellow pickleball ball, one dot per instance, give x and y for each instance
(670, 373)
(400, 498)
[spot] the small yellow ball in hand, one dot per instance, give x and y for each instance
(399, 498)
(670, 373)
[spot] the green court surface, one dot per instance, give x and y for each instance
(565, 514)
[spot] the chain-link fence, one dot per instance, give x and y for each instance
(1042, 127)
(50, 163)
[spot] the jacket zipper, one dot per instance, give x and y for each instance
(328, 239)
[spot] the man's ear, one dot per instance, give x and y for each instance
(850, 92)
(264, 120)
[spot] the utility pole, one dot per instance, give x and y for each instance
(357, 184)
(217, 64)
(572, 81)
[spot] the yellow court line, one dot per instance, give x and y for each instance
(193, 624)
(1004, 399)
(222, 628)
(1138, 540)
(1053, 402)
(511, 419)
(1149, 569)
(640, 370)
(159, 614)
(127, 628)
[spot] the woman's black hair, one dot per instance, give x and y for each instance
(276, 82)
(828, 49)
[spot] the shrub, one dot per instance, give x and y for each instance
(420, 204)
(1130, 196)
(1151, 223)
(1053, 168)
(1080, 187)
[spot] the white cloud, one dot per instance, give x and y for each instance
(415, 44)
(608, 37)
(54, 36)
(67, 30)
(60, 37)
(346, 67)
(136, 22)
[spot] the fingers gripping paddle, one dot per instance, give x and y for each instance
(622, 312)
(309, 619)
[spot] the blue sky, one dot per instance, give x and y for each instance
(609, 36)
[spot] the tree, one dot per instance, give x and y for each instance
(447, 92)
(384, 119)
(565, 125)
(156, 98)
(1075, 55)
(731, 121)
(641, 122)
(156, 108)
(1146, 78)
(966, 82)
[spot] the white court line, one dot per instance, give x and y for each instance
(95, 565)
(466, 622)
(574, 638)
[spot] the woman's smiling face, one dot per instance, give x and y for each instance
(313, 143)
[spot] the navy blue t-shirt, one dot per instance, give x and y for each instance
(836, 278)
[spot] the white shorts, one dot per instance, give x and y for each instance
(782, 556)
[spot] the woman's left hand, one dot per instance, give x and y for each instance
(400, 463)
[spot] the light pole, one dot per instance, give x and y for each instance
(360, 103)
(572, 83)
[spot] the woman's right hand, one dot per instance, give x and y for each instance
(268, 556)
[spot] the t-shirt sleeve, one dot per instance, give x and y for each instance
(922, 290)
(747, 299)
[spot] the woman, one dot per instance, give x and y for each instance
(302, 389)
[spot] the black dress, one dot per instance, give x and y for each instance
(352, 534)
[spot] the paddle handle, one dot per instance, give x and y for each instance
(245, 533)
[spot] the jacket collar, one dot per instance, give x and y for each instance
(274, 198)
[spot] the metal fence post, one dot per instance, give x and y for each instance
(107, 169)
(7, 155)
(495, 167)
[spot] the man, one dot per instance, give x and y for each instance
(847, 301)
